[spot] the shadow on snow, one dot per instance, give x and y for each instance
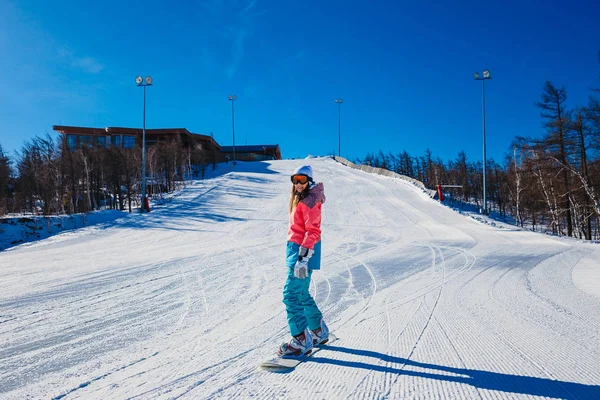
(487, 380)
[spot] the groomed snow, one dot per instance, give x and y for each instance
(184, 302)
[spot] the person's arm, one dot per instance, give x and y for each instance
(312, 225)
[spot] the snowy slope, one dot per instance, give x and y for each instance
(184, 302)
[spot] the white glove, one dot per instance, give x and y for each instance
(303, 253)
(301, 269)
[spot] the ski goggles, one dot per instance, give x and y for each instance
(303, 179)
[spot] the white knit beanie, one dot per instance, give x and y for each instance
(304, 170)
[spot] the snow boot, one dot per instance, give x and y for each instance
(298, 345)
(321, 334)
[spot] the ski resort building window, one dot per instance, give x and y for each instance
(85, 140)
(72, 142)
(128, 141)
(101, 141)
(116, 140)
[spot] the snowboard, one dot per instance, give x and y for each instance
(280, 364)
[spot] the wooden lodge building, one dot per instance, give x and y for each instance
(128, 138)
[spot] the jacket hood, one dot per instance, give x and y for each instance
(316, 195)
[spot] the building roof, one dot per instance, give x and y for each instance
(114, 130)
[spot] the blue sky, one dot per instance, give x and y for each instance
(404, 70)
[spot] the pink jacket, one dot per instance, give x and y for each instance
(305, 220)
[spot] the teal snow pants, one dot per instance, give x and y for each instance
(302, 311)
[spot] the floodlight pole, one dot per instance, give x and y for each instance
(232, 98)
(485, 75)
(339, 103)
(144, 82)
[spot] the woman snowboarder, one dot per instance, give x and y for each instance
(303, 256)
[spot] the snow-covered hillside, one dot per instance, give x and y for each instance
(185, 301)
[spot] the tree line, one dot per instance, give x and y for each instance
(549, 181)
(48, 177)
